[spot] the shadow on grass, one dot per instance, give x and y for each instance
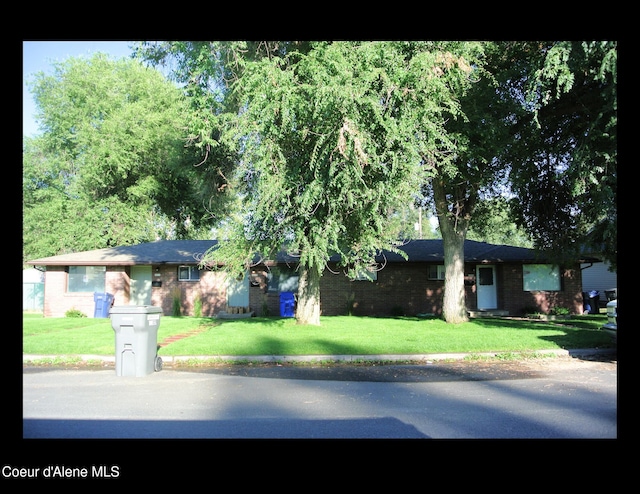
(279, 347)
(578, 332)
(511, 323)
(267, 321)
(314, 341)
(585, 338)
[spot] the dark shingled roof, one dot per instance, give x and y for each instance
(190, 252)
(160, 252)
(433, 251)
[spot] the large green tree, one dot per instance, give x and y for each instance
(331, 136)
(564, 162)
(540, 128)
(334, 138)
(111, 165)
(493, 222)
(330, 154)
(462, 169)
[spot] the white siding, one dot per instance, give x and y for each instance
(598, 277)
(32, 275)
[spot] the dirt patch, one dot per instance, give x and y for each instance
(436, 371)
(605, 361)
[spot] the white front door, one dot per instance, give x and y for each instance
(486, 287)
(140, 285)
(238, 292)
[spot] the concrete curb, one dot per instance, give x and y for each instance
(415, 358)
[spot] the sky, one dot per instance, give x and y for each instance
(38, 56)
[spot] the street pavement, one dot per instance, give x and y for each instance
(553, 398)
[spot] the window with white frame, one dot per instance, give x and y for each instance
(540, 277)
(86, 279)
(188, 273)
(436, 272)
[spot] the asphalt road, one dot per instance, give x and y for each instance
(555, 398)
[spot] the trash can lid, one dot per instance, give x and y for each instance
(134, 309)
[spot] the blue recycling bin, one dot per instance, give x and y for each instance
(594, 302)
(287, 304)
(591, 302)
(103, 303)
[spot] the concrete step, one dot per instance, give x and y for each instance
(488, 313)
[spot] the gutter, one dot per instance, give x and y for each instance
(587, 267)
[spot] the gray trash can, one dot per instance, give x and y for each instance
(136, 332)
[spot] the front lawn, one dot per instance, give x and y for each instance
(348, 335)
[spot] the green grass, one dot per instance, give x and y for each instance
(348, 335)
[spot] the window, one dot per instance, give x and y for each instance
(188, 273)
(436, 272)
(86, 279)
(282, 279)
(538, 277)
(485, 276)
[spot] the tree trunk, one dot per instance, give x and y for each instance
(454, 307)
(453, 227)
(308, 307)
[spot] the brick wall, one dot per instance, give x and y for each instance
(406, 288)
(57, 301)
(262, 301)
(400, 288)
(516, 300)
(211, 288)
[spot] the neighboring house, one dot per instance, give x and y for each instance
(32, 290)
(497, 277)
(596, 276)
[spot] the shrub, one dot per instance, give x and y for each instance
(176, 307)
(197, 306)
(351, 303)
(265, 309)
(559, 311)
(74, 313)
